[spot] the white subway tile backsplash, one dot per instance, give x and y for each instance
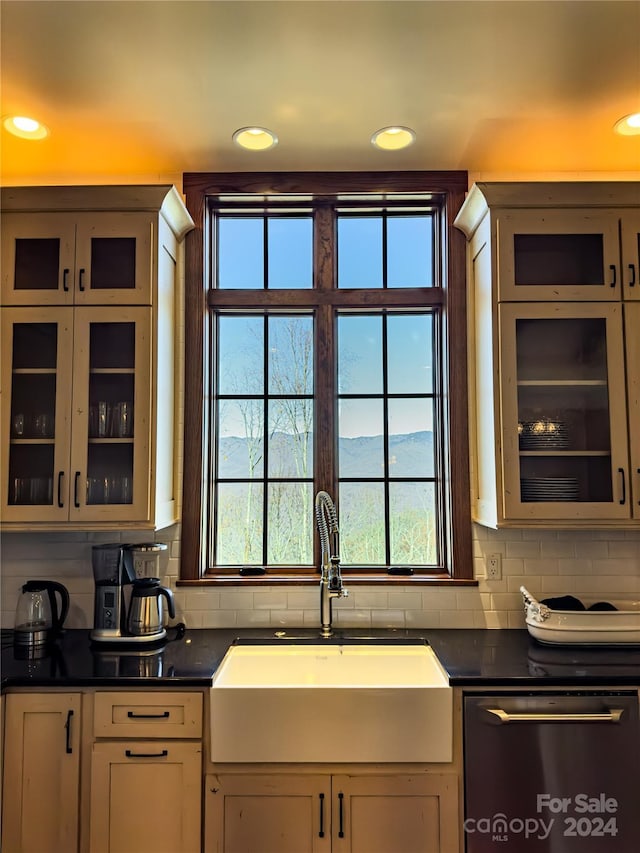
(592, 549)
(387, 618)
(601, 563)
(236, 600)
(270, 599)
(526, 550)
(371, 599)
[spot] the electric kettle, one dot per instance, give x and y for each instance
(146, 616)
(38, 619)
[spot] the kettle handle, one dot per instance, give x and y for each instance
(58, 618)
(171, 605)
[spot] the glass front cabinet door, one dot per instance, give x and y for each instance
(632, 339)
(564, 412)
(76, 408)
(559, 255)
(630, 233)
(57, 259)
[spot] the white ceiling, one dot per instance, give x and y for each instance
(144, 91)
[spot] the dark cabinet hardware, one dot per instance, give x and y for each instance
(131, 754)
(81, 279)
(65, 280)
(321, 833)
(614, 279)
(632, 270)
(340, 815)
(76, 502)
(60, 501)
(67, 726)
(623, 499)
(133, 716)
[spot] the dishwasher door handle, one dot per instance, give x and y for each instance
(613, 715)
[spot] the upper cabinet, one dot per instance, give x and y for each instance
(553, 360)
(89, 413)
(630, 238)
(61, 259)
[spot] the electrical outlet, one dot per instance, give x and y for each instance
(494, 567)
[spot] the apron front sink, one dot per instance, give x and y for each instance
(331, 703)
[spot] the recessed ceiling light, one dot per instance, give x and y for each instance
(628, 125)
(255, 138)
(393, 138)
(25, 127)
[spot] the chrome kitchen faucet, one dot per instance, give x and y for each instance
(331, 579)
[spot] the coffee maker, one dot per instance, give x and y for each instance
(128, 608)
(112, 571)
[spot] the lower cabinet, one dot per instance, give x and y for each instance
(146, 772)
(289, 813)
(102, 772)
(41, 773)
(145, 797)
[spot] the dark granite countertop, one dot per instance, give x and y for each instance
(471, 657)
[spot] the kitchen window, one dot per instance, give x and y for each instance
(325, 349)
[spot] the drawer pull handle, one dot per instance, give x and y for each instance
(341, 816)
(611, 716)
(133, 716)
(131, 754)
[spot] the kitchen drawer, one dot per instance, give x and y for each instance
(166, 714)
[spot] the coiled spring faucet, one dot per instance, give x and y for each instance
(331, 579)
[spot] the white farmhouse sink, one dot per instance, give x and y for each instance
(331, 703)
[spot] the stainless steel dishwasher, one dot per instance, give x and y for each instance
(552, 772)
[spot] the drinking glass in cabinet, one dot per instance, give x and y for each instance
(109, 490)
(34, 491)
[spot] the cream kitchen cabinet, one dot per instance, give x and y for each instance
(89, 402)
(297, 813)
(85, 245)
(150, 743)
(632, 336)
(559, 242)
(41, 773)
(78, 408)
(553, 366)
(630, 242)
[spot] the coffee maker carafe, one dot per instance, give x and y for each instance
(112, 571)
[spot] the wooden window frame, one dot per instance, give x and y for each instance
(373, 188)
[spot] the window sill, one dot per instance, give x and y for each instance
(274, 579)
